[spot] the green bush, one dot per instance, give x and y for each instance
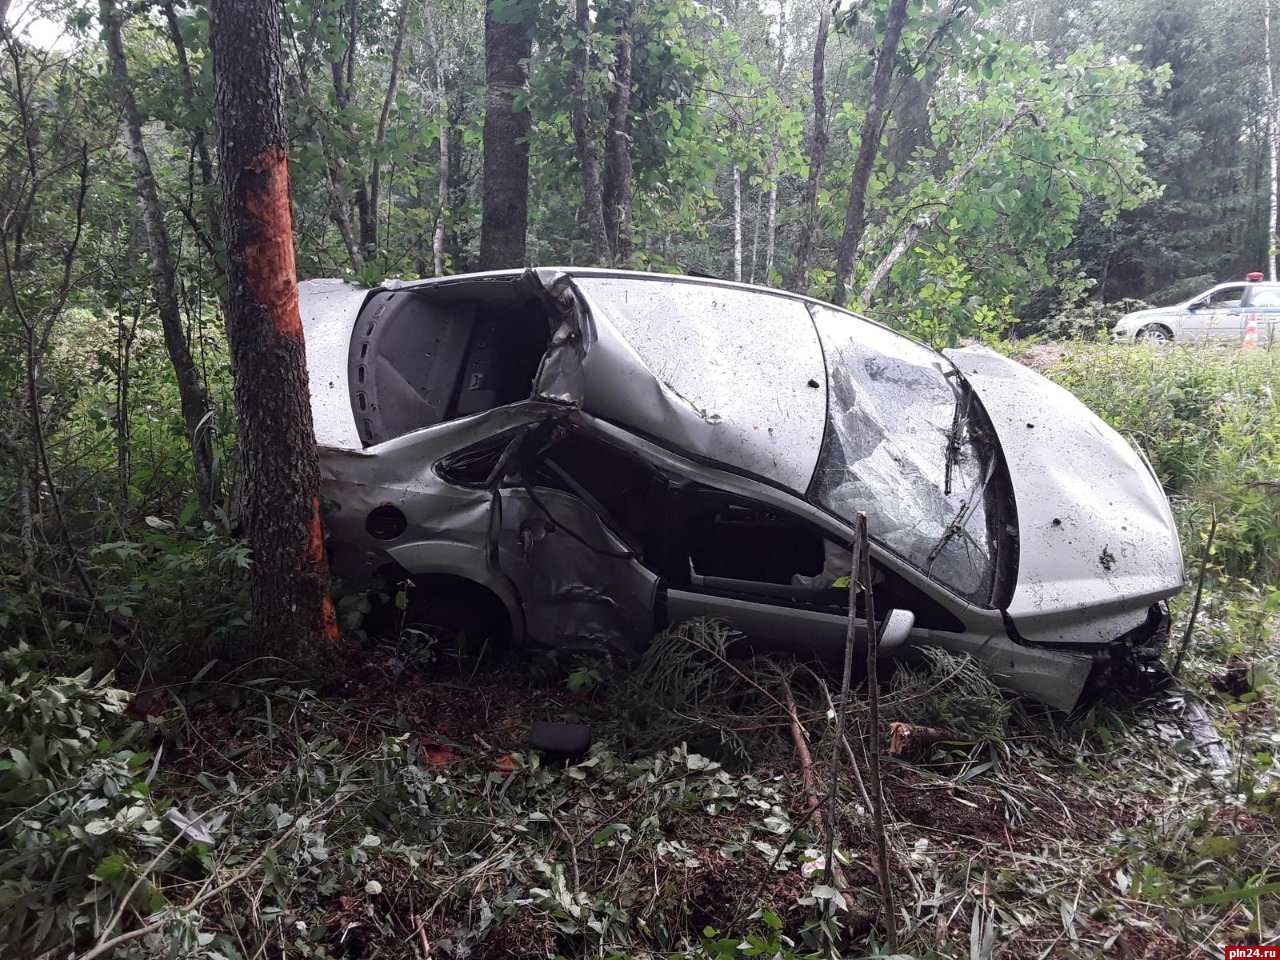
(1209, 420)
(77, 817)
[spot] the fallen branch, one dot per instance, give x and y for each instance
(873, 752)
(813, 806)
(1195, 603)
(906, 739)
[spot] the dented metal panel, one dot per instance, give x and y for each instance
(576, 596)
(725, 373)
(1098, 544)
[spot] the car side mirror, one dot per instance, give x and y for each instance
(1196, 305)
(895, 629)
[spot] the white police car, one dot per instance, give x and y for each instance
(1234, 312)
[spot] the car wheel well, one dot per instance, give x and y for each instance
(461, 603)
(1154, 331)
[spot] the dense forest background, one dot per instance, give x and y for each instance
(1136, 165)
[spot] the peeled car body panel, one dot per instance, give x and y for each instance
(1098, 543)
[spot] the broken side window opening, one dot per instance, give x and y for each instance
(895, 448)
(417, 361)
(731, 545)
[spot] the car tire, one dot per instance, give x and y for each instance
(1154, 333)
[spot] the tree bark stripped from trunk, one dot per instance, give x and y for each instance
(798, 278)
(293, 616)
(191, 398)
(855, 217)
(504, 217)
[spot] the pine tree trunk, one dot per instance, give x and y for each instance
(584, 140)
(293, 616)
(855, 217)
(191, 397)
(798, 278)
(504, 217)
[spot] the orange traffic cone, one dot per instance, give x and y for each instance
(1251, 331)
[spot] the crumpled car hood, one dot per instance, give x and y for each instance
(1094, 527)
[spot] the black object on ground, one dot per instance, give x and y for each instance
(559, 740)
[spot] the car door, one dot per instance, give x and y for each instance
(772, 575)
(1220, 318)
(574, 513)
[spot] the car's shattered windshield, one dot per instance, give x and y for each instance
(898, 445)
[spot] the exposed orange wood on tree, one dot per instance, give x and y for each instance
(269, 256)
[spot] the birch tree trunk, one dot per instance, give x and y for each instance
(293, 616)
(798, 279)
(191, 397)
(1273, 139)
(504, 217)
(855, 217)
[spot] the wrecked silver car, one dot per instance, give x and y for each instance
(574, 458)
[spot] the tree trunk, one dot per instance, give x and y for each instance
(195, 407)
(442, 174)
(771, 233)
(333, 183)
(737, 223)
(380, 138)
(504, 215)
(343, 73)
(293, 616)
(617, 189)
(584, 139)
(855, 217)
(1273, 138)
(198, 135)
(927, 220)
(798, 278)
(755, 235)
